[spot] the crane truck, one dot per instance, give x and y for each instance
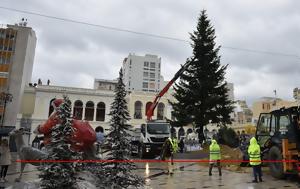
(278, 134)
(155, 132)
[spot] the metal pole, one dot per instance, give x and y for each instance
(3, 113)
(5, 97)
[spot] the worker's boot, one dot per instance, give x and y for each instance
(220, 172)
(260, 179)
(210, 169)
(255, 180)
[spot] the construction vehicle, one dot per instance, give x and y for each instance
(153, 136)
(278, 134)
(154, 132)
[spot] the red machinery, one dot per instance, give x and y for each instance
(150, 111)
(84, 135)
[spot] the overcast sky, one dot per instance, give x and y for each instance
(71, 54)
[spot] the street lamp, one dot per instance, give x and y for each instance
(4, 98)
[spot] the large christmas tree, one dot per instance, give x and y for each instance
(118, 172)
(201, 94)
(57, 174)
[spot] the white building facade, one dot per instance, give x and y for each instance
(92, 105)
(87, 104)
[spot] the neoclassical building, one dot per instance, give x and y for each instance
(92, 105)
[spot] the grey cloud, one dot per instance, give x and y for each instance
(72, 54)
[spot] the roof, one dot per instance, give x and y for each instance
(107, 80)
(266, 98)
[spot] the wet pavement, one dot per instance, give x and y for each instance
(186, 176)
(194, 175)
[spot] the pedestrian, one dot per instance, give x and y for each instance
(238, 136)
(243, 138)
(214, 157)
(5, 159)
(255, 160)
(169, 148)
(100, 134)
(99, 138)
(201, 137)
(181, 145)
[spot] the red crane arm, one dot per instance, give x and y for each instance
(150, 111)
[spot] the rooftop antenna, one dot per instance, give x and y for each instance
(275, 94)
(23, 22)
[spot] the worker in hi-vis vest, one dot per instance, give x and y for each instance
(255, 160)
(169, 148)
(214, 157)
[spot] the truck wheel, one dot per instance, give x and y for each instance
(276, 169)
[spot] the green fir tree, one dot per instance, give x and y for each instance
(201, 94)
(57, 174)
(118, 173)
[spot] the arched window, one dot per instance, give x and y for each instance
(181, 132)
(51, 109)
(100, 114)
(89, 111)
(138, 110)
(160, 111)
(77, 112)
(189, 131)
(147, 107)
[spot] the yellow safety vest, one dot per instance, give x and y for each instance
(214, 151)
(174, 145)
(254, 152)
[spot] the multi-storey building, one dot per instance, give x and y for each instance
(17, 49)
(142, 73)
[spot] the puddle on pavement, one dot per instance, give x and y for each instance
(147, 171)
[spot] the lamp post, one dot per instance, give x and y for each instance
(4, 98)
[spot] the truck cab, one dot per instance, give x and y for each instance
(153, 136)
